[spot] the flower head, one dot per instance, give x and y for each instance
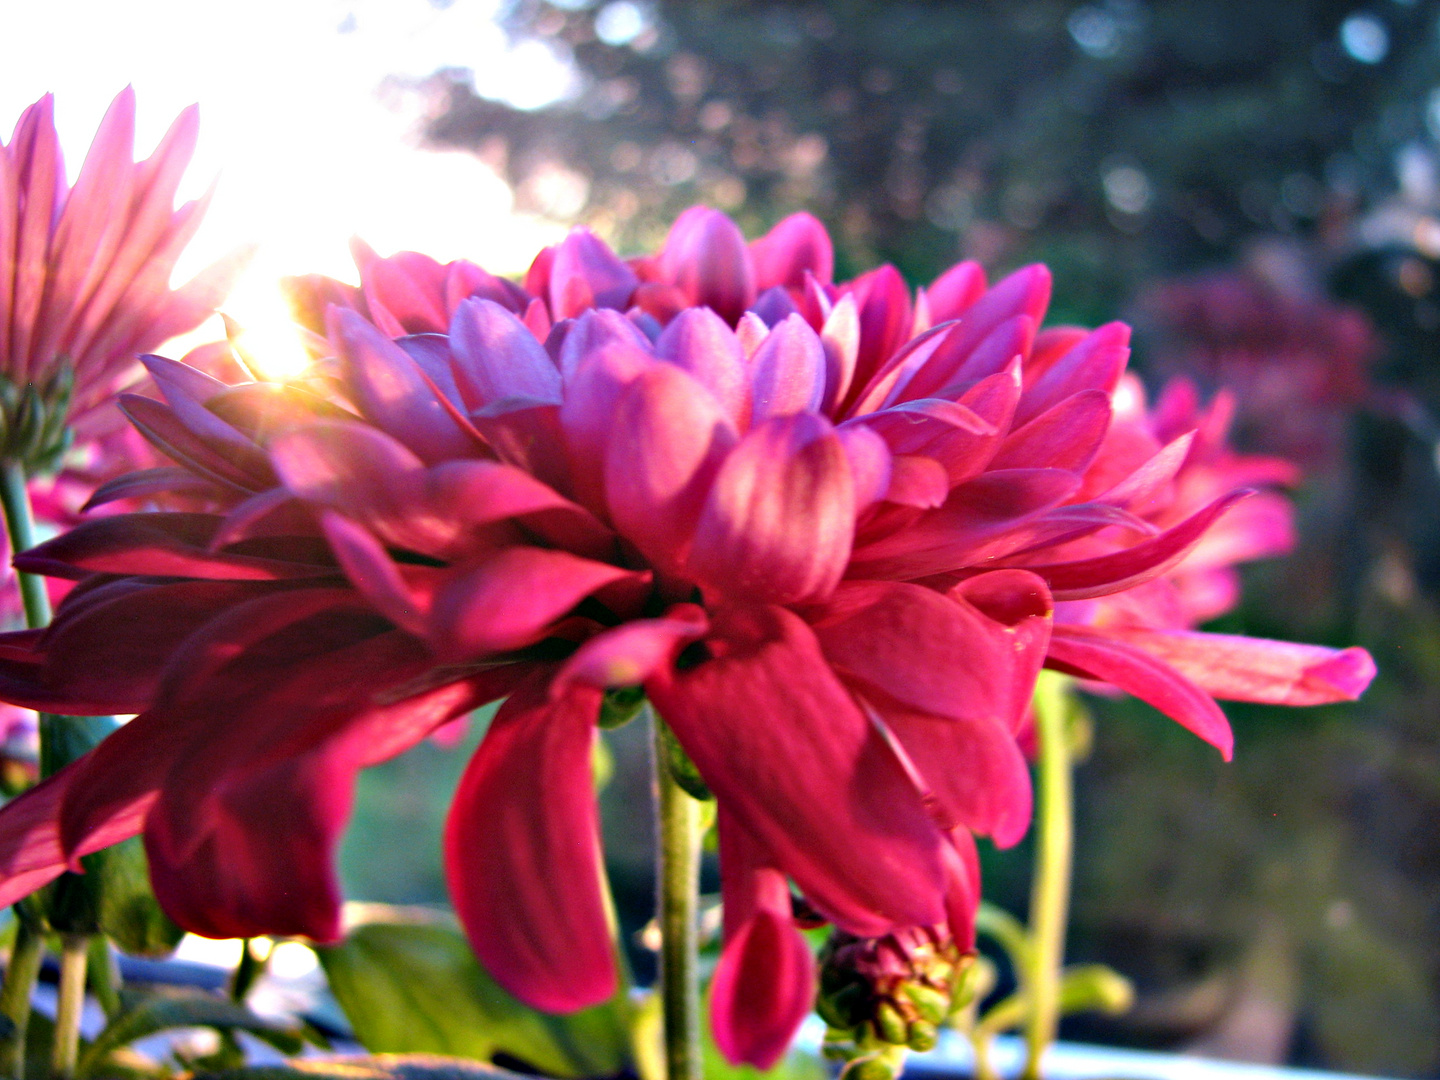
(823, 526)
(84, 270)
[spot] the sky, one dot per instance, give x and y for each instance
(304, 118)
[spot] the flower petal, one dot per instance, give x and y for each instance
(779, 520)
(522, 852)
(497, 357)
(706, 257)
(1094, 654)
(786, 750)
(1253, 669)
(764, 982)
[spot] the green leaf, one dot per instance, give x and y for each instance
(145, 1014)
(379, 1067)
(410, 988)
(126, 908)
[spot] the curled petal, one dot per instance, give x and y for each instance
(780, 516)
(706, 257)
(668, 438)
(522, 854)
(1121, 570)
(631, 653)
(699, 342)
(797, 244)
(764, 983)
(497, 357)
(583, 273)
(390, 388)
(788, 370)
(509, 599)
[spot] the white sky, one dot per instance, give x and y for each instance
(291, 120)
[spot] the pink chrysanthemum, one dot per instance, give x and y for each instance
(824, 526)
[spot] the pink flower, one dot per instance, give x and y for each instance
(822, 533)
(1297, 364)
(84, 270)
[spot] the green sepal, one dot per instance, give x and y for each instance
(620, 705)
(682, 768)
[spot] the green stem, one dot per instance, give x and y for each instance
(250, 968)
(24, 967)
(20, 526)
(1050, 888)
(104, 976)
(20, 977)
(74, 958)
(679, 902)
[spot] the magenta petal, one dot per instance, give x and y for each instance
(162, 544)
(787, 370)
(94, 670)
(900, 642)
(983, 518)
(1253, 669)
(870, 461)
(700, 343)
(592, 393)
(529, 436)
(30, 852)
(592, 332)
(840, 335)
(917, 481)
(955, 291)
(668, 438)
(1121, 570)
(264, 864)
(389, 387)
(583, 273)
(522, 853)
(632, 652)
(1094, 654)
(788, 753)
(797, 244)
(779, 520)
(706, 257)
(510, 599)
(1065, 436)
(372, 572)
(1096, 363)
(973, 768)
(764, 982)
(497, 357)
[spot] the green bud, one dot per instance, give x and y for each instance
(932, 1005)
(923, 1035)
(890, 1025)
(33, 420)
(878, 1067)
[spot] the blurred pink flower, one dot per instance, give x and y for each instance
(84, 270)
(784, 507)
(1297, 365)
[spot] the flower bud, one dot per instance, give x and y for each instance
(892, 991)
(33, 429)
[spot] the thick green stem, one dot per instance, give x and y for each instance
(1050, 887)
(20, 526)
(20, 976)
(679, 901)
(74, 959)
